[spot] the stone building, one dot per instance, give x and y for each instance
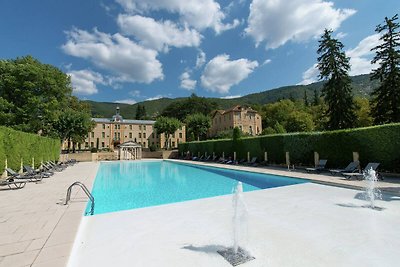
(110, 132)
(247, 119)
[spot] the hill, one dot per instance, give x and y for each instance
(362, 86)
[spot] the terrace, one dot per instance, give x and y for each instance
(319, 226)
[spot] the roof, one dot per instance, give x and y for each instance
(141, 122)
(129, 144)
(232, 109)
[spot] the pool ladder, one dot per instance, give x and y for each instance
(84, 188)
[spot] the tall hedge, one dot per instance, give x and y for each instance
(16, 145)
(374, 144)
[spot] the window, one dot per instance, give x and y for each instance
(119, 126)
(92, 134)
(119, 135)
(102, 144)
(173, 144)
(144, 127)
(140, 135)
(144, 135)
(104, 126)
(103, 134)
(140, 127)
(180, 135)
(91, 144)
(115, 126)
(86, 144)
(130, 134)
(115, 135)
(130, 127)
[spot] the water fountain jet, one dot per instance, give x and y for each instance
(237, 255)
(371, 191)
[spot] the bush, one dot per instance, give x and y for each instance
(93, 150)
(16, 145)
(374, 144)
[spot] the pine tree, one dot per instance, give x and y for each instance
(386, 101)
(334, 66)
(306, 103)
(140, 112)
(316, 100)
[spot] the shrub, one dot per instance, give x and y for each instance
(374, 144)
(16, 145)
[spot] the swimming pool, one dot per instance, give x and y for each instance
(137, 184)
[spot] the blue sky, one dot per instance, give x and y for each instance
(130, 50)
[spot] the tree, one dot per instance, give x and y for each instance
(334, 66)
(192, 105)
(363, 112)
(35, 91)
(386, 101)
(286, 116)
(198, 124)
(140, 112)
(167, 126)
(316, 100)
(306, 103)
(73, 126)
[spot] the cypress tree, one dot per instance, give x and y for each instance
(334, 66)
(316, 100)
(306, 99)
(386, 97)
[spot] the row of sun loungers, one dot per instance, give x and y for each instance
(15, 180)
(352, 170)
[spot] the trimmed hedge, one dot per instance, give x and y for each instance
(15, 145)
(374, 144)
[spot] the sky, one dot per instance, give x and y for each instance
(129, 51)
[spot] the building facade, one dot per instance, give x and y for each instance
(245, 118)
(110, 132)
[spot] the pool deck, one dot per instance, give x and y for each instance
(318, 226)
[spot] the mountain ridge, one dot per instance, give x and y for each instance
(361, 84)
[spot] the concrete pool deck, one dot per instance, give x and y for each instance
(300, 225)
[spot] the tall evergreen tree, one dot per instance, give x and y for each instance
(140, 112)
(386, 101)
(334, 66)
(306, 103)
(316, 100)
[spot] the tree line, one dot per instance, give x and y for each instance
(37, 98)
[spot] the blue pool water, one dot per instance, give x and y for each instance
(137, 184)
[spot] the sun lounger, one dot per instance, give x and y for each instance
(30, 171)
(12, 183)
(359, 176)
(27, 177)
(320, 167)
(352, 167)
(253, 162)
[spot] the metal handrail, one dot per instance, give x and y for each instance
(84, 188)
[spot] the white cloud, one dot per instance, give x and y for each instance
(267, 61)
(129, 61)
(200, 14)
(278, 21)
(360, 60)
(84, 81)
(361, 55)
(340, 35)
(158, 35)
(154, 98)
(220, 73)
(231, 96)
(134, 93)
(201, 59)
(128, 101)
(186, 82)
(310, 75)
